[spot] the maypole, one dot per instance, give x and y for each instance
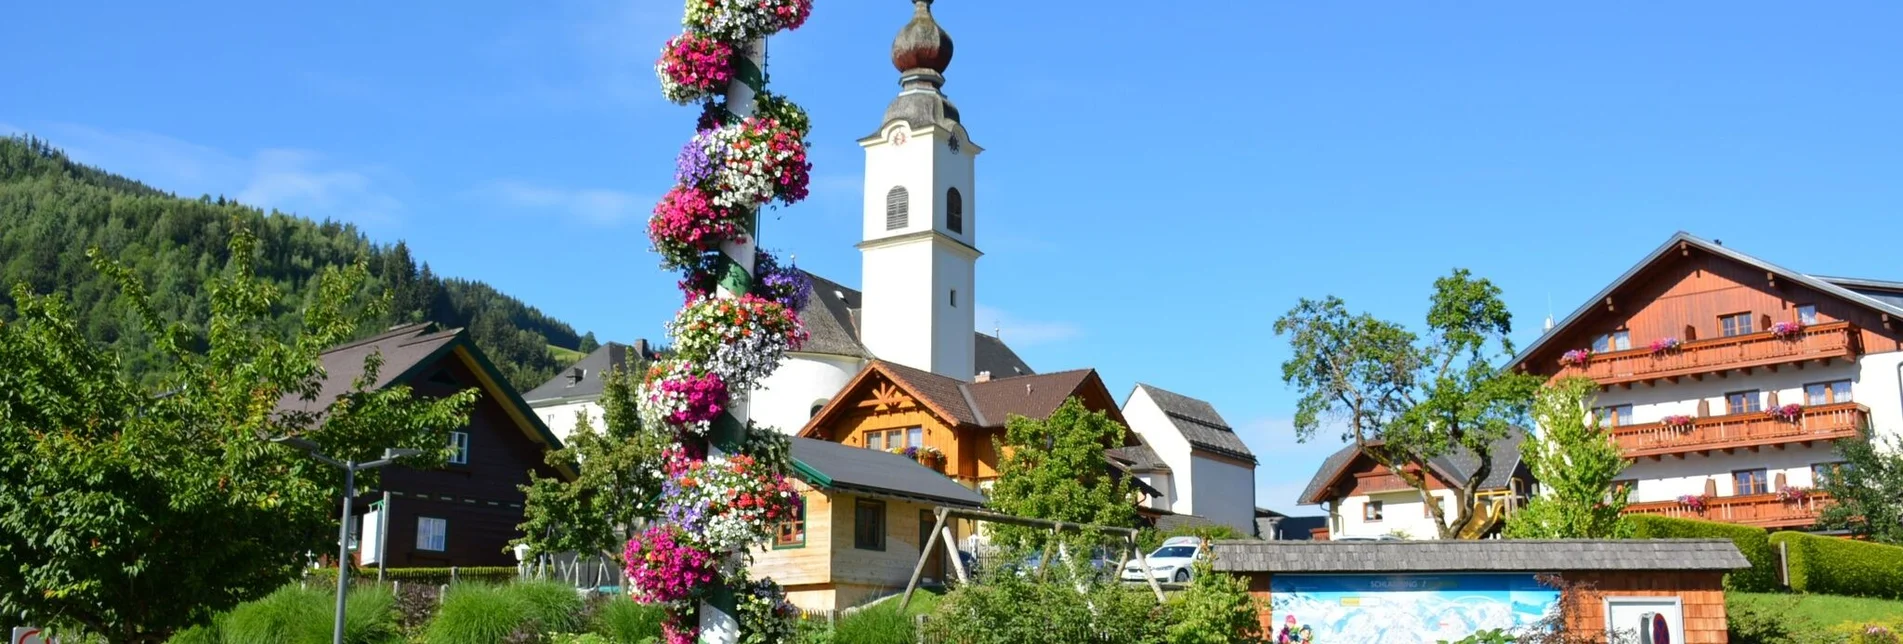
(726, 487)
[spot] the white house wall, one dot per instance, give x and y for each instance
(562, 418)
(1669, 478)
(1225, 492)
(1156, 431)
(1401, 511)
(785, 399)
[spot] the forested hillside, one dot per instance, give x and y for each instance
(52, 210)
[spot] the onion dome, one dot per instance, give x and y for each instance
(922, 44)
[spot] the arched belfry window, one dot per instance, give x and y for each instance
(898, 204)
(954, 211)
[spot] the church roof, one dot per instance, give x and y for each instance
(585, 379)
(831, 317)
(1199, 423)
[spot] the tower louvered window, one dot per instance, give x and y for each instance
(954, 211)
(898, 204)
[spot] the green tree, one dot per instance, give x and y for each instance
(1575, 461)
(588, 343)
(1054, 468)
(1214, 609)
(131, 515)
(618, 477)
(1404, 400)
(1867, 490)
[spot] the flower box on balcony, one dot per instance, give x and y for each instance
(1677, 421)
(1694, 501)
(1664, 345)
(1788, 413)
(1786, 330)
(1789, 494)
(1576, 358)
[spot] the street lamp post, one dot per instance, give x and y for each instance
(343, 526)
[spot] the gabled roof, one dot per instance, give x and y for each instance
(1683, 241)
(1452, 469)
(407, 350)
(971, 404)
(1138, 459)
(831, 317)
(585, 379)
(1198, 422)
(831, 465)
(1484, 555)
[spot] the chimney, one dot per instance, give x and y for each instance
(983, 376)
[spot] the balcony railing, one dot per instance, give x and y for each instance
(1695, 359)
(1762, 510)
(1746, 430)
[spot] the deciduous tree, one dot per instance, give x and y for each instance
(1404, 400)
(618, 476)
(131, 513)
(1054, 468)
(1575, 461)
(1866, 491)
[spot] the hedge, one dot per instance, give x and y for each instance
(1834, 566)
(436, 576)
(1755, 543)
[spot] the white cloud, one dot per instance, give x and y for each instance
(1020, 332)
(287, 179)
(590, 205)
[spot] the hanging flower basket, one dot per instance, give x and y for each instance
(740, 339)
(739, 21)
(726, 503)
(1787, 413)
(786, 285)
(1786, 330)
(1694, 501)
(686, 225)
(1678, 421)
(747, 164)
(664, 568)
(1789, 494)
(693, 67)
(1664, 345)
(1575, 358)
(675, 395)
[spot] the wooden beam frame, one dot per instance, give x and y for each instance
(942, 531)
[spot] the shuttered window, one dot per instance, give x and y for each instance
(954, 211)
(898, 205)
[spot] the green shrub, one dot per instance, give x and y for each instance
(554, 606)
(1755, 543)
(478, 613)
(201, 634)
(624, 621)
(1766, 622)
(296, 615)
(1833, 566)
(1214, 609)
(880, 624)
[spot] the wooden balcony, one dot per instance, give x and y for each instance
(1752, 430)
(1761, 510)
(1821, 342)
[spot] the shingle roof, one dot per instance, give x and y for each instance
(831, 317)
(1485, 555)
(866, 470)
(401, 349)
(1138, 458)
(1199, 423)
(1034, 396)
(593, 373)
(1884, 305)
(1457, 466)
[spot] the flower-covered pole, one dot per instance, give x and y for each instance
(724, 491)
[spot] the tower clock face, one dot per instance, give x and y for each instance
(953, 144)
(898, 137)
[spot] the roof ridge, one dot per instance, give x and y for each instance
(392, 332)
(1041, 375)
(964, 389)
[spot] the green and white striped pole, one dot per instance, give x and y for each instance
(719, 623)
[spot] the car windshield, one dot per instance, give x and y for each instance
(1179, 552)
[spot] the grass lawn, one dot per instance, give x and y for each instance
(1824, 610)
(565, 356)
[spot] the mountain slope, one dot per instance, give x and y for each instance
(52, 209)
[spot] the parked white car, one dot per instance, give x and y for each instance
(1173, 562)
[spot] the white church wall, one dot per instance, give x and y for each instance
(954, 289)
(896, 317)
(786, 398)
(1156, 431)
(1225, 492)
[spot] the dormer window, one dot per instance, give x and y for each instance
(954, 211)
(898, 204)
(576, 375)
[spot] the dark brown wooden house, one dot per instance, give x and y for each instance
(465, 513)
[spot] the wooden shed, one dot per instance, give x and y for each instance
(1427, 591)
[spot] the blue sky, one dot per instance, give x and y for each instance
(1161, 179)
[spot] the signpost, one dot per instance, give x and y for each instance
(27, 635)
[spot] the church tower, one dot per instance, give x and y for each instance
(920, 239)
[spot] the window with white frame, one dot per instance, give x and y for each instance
(431, 534)
(460, 441)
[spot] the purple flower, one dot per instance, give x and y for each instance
(692, 166)
(787, 285)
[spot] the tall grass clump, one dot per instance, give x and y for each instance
(296, 615)
(880, 624)
(477, 613)
(624, 621)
